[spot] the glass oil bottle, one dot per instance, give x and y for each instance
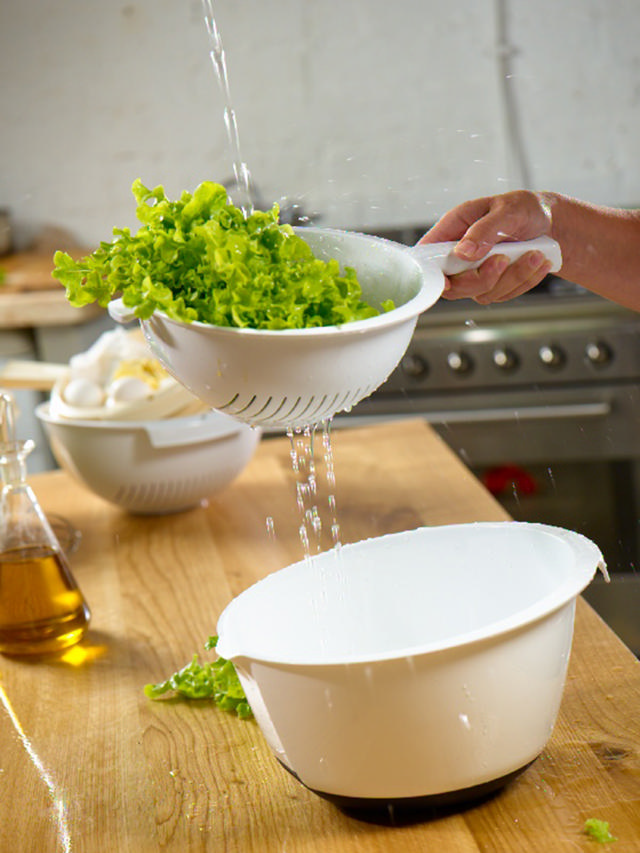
(42, 610)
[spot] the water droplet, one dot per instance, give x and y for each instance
(464, 719)
(551, 477)
(309, 485)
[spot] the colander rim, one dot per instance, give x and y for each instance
(430, 291)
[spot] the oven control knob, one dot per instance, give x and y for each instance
(459, 362)
(414, 366)
(598, 353)
(551, 356)
(505, 358)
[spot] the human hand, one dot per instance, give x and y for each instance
(478, 226)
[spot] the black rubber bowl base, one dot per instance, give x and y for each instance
(404, 810)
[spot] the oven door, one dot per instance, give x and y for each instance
(573, 452)
(531, 425)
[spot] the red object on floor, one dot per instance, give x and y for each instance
(507, 478)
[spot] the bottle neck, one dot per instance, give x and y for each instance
(22, 521)
(13, 462)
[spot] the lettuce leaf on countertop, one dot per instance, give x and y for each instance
(200, 258)
(216, 680)
(598, 830)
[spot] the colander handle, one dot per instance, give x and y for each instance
(442, 254)
(120, 313)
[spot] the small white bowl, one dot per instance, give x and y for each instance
(417, 669)
(152, 467)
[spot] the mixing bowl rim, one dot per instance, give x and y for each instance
(43, 412)
(525, 617)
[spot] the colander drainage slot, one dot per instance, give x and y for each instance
(247, 407)
(266, 405)
(230, 403)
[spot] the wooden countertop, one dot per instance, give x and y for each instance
(87, 763)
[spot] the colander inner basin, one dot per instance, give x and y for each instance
(385, 270)
(410, 592)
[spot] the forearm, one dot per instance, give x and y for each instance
(600, 247)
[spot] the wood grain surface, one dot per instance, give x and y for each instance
(29, 295)
(88, 763)
(42, 308)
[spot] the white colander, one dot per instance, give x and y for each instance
(152, 467)
(297, 377)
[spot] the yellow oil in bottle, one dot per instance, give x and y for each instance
(42, 611)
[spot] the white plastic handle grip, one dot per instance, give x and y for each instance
(119, 313)
(450, 264)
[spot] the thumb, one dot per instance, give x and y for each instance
(457, 222)
(481, 237)
(518, 215)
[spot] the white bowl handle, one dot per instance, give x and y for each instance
(442, 254)
(120, 313)
(163, 433)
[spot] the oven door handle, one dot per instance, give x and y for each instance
(526, 413)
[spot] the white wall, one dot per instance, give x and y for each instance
(369, 112)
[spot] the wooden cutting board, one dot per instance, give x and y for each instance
(31, 269)
(33, 309)
(27, 271)
(29, 296)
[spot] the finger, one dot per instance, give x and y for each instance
(497, 280)
(523, 287)
(478, 282)
(521, 276)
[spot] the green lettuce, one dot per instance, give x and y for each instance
(216, 680)
(598, 830)
(200, 258)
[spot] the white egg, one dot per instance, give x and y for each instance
(127, 389)
(166, 383)
(83, 393)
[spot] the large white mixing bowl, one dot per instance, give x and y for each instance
(417, 668)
